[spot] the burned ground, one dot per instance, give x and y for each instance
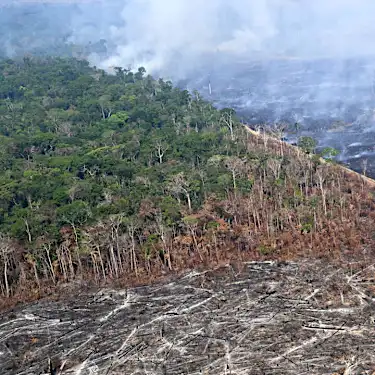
(265, 318)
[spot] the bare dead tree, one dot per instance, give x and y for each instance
(178, 185)
(5, 259)
(132, 228)
(364, 164)
(235, 165)
(161, 148)
(105, 106)
(275, 166)
(228, 121)
(191, 224)
(162, 231)
(321, 175)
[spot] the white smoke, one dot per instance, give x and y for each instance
(177, 35)
(174, 34)
(309, 60)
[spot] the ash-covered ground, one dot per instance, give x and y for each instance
(267, 318)
(332, 100)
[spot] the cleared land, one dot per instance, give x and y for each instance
(267, 318)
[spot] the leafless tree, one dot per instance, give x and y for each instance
(228, 121)
(6, 250)
(161, 148)
(364, 164)
(178, 185)
(105, 106)
(235, 165)
(321, 175)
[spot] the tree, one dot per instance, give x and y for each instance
(191, 223)
(140, 73)
(119, 118)
(161, 148)
(321, 174)
(235, 165)
(105, 106)
(227, 118)
(94, 167)
(6, 253)
(74, 214)
(307, 144)
(328, 153)
(179, 185)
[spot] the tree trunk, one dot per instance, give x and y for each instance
(50, 265)
(234, 180)
(77, 248)
(188, 198)
(6, 281)
(114, 261)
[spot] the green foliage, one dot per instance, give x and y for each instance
(104, 176)
(265, 250)
(307, 144)
(190, 220)
(80, 145)
(328, 153)
(74, 213)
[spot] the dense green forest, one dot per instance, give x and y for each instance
(122, 176)
(80, 145)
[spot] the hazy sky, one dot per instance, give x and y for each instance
(154, 32)
(161, 34)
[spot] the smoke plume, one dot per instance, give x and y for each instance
(305, 61)
(174, 36)
(177, 34)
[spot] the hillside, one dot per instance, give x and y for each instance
(123, 179)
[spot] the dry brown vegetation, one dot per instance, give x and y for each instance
(297, 207)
